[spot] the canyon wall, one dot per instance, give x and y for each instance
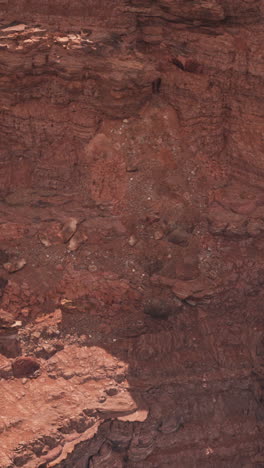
(131, 233)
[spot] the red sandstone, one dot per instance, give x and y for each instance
(131, 230)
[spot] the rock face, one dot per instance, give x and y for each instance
(132, 233)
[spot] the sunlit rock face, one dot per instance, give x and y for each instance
(131, 233)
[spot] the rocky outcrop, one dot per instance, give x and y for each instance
(131, 230)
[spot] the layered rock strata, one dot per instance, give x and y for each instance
(131, 235)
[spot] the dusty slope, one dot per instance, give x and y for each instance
(132, 219)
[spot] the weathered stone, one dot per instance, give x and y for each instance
(111, 391)
(25, 367)
(179, 236)
(6, 319)
(48, 350)
(76, 241)
(222, 221)
(69, 229)
(14, 266)
(158, 235)
(158, 309)
(132, 241)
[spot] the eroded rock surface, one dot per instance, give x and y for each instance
(132, 234)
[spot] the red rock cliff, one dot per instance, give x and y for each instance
(132, 233)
